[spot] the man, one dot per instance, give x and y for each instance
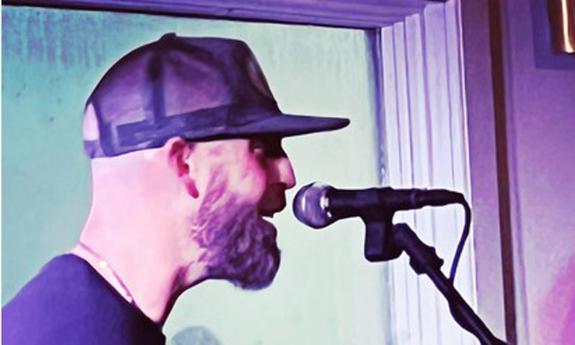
(184, 138)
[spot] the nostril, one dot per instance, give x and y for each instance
(288, 176)
(291, 183)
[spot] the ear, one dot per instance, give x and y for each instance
(178, 152)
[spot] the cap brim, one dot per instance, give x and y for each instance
(290, 124)
(284, 125)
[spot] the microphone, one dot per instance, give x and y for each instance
(318, 205)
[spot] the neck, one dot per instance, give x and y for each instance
(147, 269)
(105, 269)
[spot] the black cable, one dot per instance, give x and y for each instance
(462, 240)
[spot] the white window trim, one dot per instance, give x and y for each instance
(426, 146)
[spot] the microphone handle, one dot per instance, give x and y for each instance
(381, 202)
(344, 203)
(434, 197)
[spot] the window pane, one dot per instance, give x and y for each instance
(325, 292)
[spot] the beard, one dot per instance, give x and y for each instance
(239, 245)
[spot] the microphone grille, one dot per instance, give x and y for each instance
(310, 205)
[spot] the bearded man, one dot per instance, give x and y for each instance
(184, 137)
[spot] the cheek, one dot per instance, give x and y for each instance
(250, 180)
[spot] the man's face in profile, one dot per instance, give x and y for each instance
(241, 244)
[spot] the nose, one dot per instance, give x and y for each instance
(284, 172)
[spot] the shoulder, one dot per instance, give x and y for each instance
(68, 302)
(62, 280)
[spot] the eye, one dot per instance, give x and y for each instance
(257, 144)
(269, 146)
(258, 148)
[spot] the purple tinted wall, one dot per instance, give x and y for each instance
(540, 120)
(521, 113)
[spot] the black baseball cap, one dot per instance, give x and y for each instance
(198, 88)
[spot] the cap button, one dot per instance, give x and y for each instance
(168, 37)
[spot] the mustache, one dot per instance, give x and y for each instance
(273, 200)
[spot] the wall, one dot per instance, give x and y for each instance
(522, 120)
(540, 106)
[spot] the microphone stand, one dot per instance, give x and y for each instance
(385, 241)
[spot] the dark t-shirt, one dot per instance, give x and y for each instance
(68, 302)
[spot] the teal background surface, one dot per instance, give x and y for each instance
(325, 292)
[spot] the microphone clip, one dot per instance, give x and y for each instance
(379, 245)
